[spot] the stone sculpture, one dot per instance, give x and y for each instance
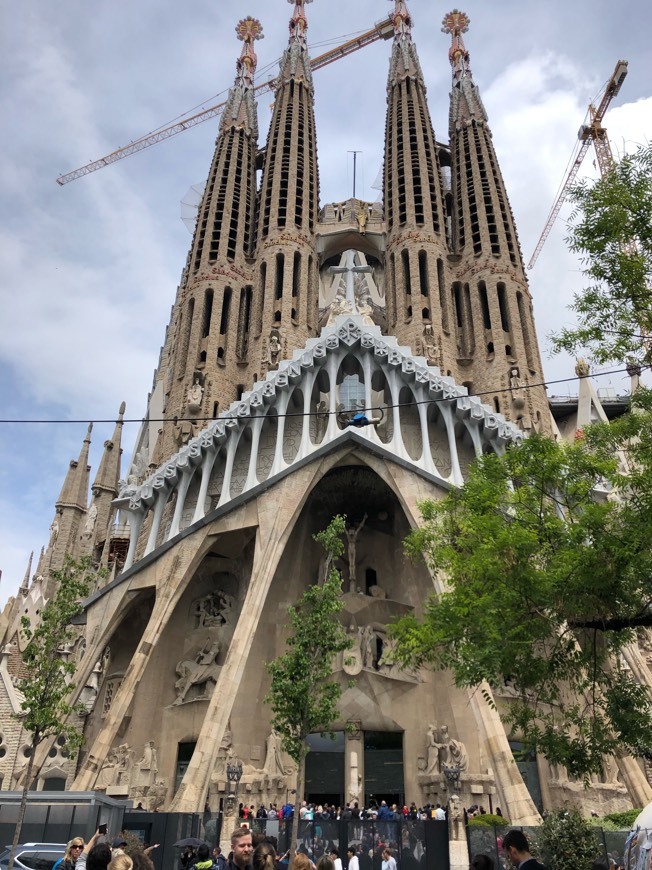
(202, 672)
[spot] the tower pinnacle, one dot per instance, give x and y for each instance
(248, 30)
(456, 23)
(299, 23)
(402, 20)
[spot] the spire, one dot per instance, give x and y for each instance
(402, 20)
(456, 23)
(24, 589)
(240, 109)
(299, 24)
(295, 63)
(105, 488)
(248, 30)
(405, 61)
(108, 473)
(74, 492)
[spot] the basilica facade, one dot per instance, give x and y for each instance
(343, 358)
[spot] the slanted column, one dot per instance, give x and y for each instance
(426, 452)
(332, 429)
(206, 468)
(182, 492)
(306, 447)
(279, 461)
(449, 418)
(252, 475)
(135, 519)
(397, 436)
(225, 495)
(159, 507)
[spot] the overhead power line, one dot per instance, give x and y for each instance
(491, 392)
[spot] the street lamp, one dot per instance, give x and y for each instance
(452, 775)
(233, 775)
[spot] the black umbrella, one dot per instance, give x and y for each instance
(189, 841)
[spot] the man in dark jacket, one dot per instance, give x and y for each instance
(517, 849)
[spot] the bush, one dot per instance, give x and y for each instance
(489, 820)
(567, 840)
(625, 819)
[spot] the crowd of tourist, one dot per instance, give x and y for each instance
(372, 812)
(97, 854)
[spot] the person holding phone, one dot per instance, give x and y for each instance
(96, 854)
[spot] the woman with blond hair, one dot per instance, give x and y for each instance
(73, 851)
(121, 862)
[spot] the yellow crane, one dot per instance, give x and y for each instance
(382, 30)
(591, 132)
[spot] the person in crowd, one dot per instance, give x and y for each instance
(219, 861)
(335, 858)
(118, 846)
(325, 863)
(353, 862)
(204, 860)
(302, 862)
(121, 862)
(241, 849)
(73, 851)
(95, 855)
(141, 859)
(389, 862)
(482, 862)
(264, 856)
(517, 849)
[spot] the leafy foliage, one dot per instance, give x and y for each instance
(488, 820)
(625, 819)
(611, 227)
(567, 840)
(302, 698)
(303, 694)
(547, 578)
(49, 676)
(45, 707)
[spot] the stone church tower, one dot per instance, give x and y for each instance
(292, 318)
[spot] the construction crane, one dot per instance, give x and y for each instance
(591, 132)
(381, 30)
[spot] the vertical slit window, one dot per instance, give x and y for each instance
(423, 273)
(278, 287)
(208, 311)
(226, 305)
(183, 358)
(525, 330)
(407, 287)
(443, 298)
(484, 304)
(502, 303)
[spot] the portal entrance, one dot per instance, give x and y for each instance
(325, 769)
(383, 767)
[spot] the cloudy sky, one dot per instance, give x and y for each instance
(88, 271)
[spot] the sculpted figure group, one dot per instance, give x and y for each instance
(444, 751)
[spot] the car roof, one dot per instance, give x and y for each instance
(39, 846)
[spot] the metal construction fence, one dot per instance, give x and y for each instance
(609, 845)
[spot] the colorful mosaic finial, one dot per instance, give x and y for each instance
(248, 30)
(456, 23)
(299, 22)
(402, 20)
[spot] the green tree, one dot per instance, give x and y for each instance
(546, 575)
(46, 708)
(611, 228)
(303, 694)
(568, 841)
